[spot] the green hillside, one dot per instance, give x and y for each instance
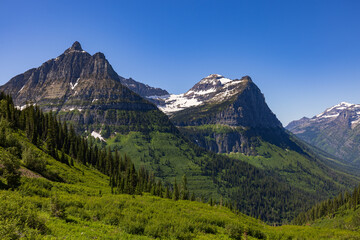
(78, 204)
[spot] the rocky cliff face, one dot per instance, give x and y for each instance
(82, 88)
(336, 130)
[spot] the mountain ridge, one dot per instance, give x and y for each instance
(336, 130)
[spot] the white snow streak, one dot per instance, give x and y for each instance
(74, 85)
(21, 89)
(97, 135)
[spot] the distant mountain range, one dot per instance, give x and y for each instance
(336, 131)
(220, 134)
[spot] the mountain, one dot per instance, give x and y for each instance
(336, 131)
(218, 100)
(85, 90)
(225, 116)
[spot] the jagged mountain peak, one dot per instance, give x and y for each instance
(76, 47)
(246, 78)
(213, 80)
(73, 80)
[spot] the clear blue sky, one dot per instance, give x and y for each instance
(304, 55)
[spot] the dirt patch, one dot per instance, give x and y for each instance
(26, 172)
(29, 174)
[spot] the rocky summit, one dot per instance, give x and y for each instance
(219, 100)
(73, 80)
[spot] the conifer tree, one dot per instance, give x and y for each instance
(167, 192)
(175, 191)
(185, 192)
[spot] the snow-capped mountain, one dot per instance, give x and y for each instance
(339, 112)
(218, 102)
(336, 130)
(212, 88)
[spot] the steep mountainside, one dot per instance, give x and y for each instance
(336, 130)
(86, 90)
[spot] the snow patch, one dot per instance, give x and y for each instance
(233, 82)
(330, 116)
(355, 122)
(23, 106)
(203, 92)
(74, 85)
(224, 80)
(97, 135)
(21, 89)
(178, 102)
(72, 109)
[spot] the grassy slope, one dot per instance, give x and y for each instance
(91, 211)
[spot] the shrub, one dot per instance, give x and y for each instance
(235, 231)
(11, 170)
(32, 161)
(18, 218)
(57, 208)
